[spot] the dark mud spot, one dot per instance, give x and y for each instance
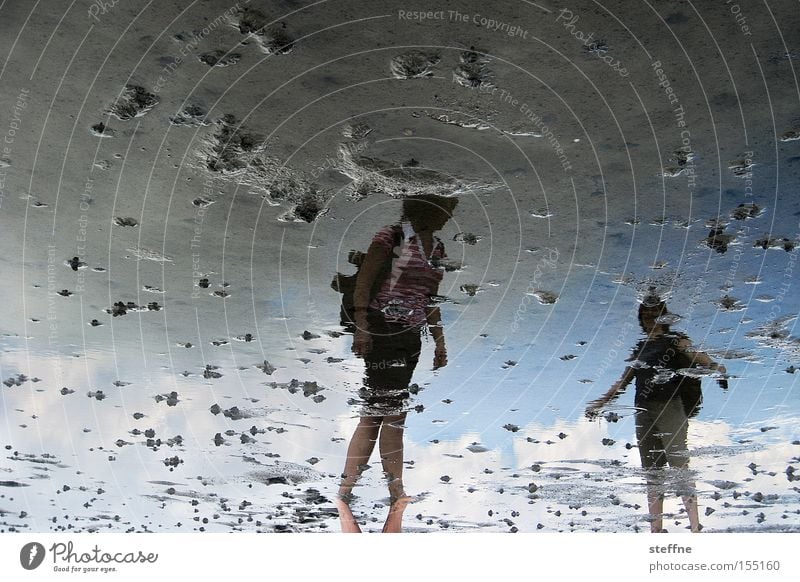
(284, 473)
(120, 308)
(282, 184)
(545, 297)
(791, 135)
(75, 264)
(16, 380)
(173, 461)
(467, 238)
(745, 211)
(191, 115)
(681, 159)
(266, 367)
(718, 240)
(310, 207)
(202, 202)
(770, 242)
(276, 41)
(219, 58)
(231, 147)
(776, 334)
(272, 38)
(309, 388)
(741, 168)
(374, 175)
(120, 221)
(414, 64)
(135, 101)
(171, 398)
(472, 72)
(102, 130)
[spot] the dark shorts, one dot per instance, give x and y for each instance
(661, 428)
(389, 366)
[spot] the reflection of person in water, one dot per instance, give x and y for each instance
(390, 316)
(665, 400)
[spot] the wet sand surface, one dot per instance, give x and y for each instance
(181, 182)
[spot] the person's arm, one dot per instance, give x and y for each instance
(700, 358)
(705, 360)
(434, 319)
(595, 406)
(371, 267)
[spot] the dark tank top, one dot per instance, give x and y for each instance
(656, 362)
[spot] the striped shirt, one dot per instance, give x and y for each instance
(405, 294)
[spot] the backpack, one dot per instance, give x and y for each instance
(346, 284)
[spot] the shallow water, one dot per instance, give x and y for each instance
(192, 375)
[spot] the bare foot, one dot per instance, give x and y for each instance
(346, 517)
(394, 521)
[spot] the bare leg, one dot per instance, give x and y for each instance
(655, 506)
(346, 517)
(361, 446)
(690, 503)
(358, 452)
(391, 449)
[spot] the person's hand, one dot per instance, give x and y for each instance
(439, 356)
(362, 342)
(722, 380)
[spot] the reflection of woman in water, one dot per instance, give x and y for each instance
(665, 400)
(390, 316)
